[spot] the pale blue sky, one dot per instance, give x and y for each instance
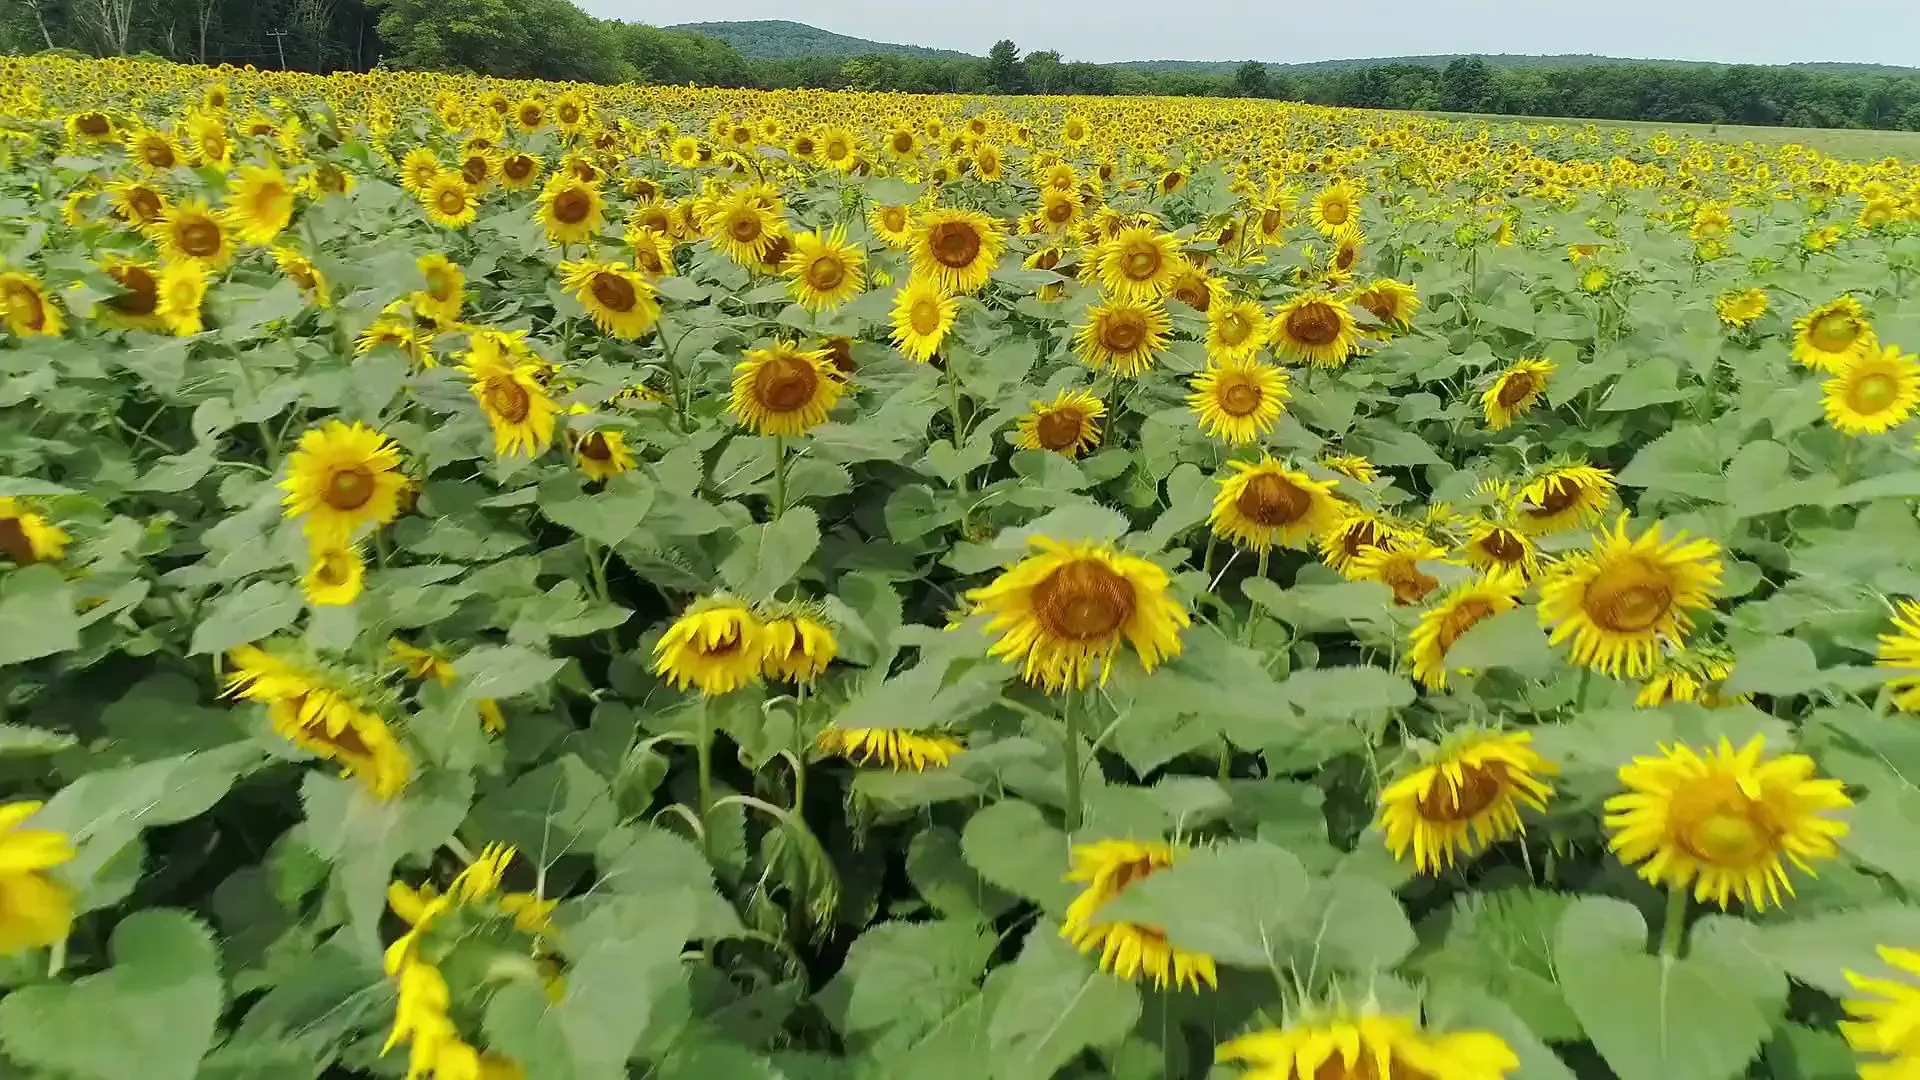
(1290, 31)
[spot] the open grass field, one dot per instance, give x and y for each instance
(1854, 143)
(509, 581)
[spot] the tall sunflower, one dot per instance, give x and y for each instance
(1743, 308)
(1723, 820)
(1515, 392)
(893, 224)
(308, 708)
(182, 290)
(191, 231)
(957, 248)
(1491, 545)
(1139, 264)
(27, 309)
(895, 748)
(449, 201)
(923, 313)
(1370, 1045)
(785, 390)
(1065, 610)
(1356, 530)
(1391, 303)
(1234, 330)
(1562, 497)
(1396, 564)
(571, 210)
(1123, 336)
(1314, 328)
(27, 537)
(742, 227)
(1831, 334)
(1129, 951)
(1458, 611)
(619, 298)
(259, 203)
(1336, 210)
(825, 269)
(1620, 600)
(602, 454)
(1069, 425)
(520, 170)
(717, 645)
(36, 910)
(1872, 392)
(340, 478)
(137, 307)
(506, 383)
(1238, 402)
(1264, 503)
(418, 170)
(1464, 796)
(797, 647)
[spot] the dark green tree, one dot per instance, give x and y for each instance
(1251, 80)
(1003, 67)
(1466, 85)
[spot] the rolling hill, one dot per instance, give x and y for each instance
(778, 39)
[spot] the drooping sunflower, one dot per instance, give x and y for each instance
(619, 298)
(1493, 546)
(797, 647)
(300, 270)
(183, 289)
(571, 210)
(506, 383)
(1315, 328)
(956, 248)
(1069, 425)
(259, 203)
(27, 537)
(1354, 531)
(1065, 610)
(1458, 611)
(1872, 392)
(137, 307)
(1128, 950)
(1562, 497)
(191, 231)
(1264, 503)
(825, 269)
(743, 227)
(1391, 303)
(893, 224)
(717, 645)
(895, 748)
(923, 313)
(1123, 336)
(1351, 466)
(785, 390)
(1234, 330)
(1899, 651)
(26, 307)
(1618, 601)
(1515, 392)
(449, 202)
(308, 709)
(1369, 1044)
(1723, 820)
(334, 577)
(36, 911)
(342, 477)
(1743, 308)
(1464, 796)
(1885, 1022)
(1139, 264)
(139, 203)
(1832, 334)
(1397, 566)
(1238, 402)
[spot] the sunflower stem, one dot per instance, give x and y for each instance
(1675, 928)
(703, 758)
(779, 476)
(1072, 754)
(1259, 571)
(1580, 694)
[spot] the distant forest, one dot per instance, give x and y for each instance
(554, 39)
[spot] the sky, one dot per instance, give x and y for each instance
(1290, 31)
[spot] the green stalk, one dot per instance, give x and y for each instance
(779, 476)
(703, 756)
(1260, 570)
(1072, 750)
(1675, 928)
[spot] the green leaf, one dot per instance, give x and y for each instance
(644, 861)
(36, 615)
(1055, 1004)
(1012, 845)
(498, 672)
(364, 836)
(1347, 693)
(256, 612)
(1702, 1017)
(1819, 949)
(149, 1017)
(1512, 640)
(1464, 1007)
(1359, 924)
(560, 806)
(901, 978)
(768, 556)
(1075, 521)
(1777, 666)
(940, 874)
(1652, 381)
(608, 516)
(19, 740)
(1502, 943)
(924, 697)
(1237, 902)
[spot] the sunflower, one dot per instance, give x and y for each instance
(825, 269)
(182, 289)
(1563, 497)
(1618, 601)
(619, 298)
(1128, 950)
(956, 248)
(784, 390)
(652, 251)
(1872, 392)
(26, 307)
(1263, 503)
(1069, 425)
(570, 209)
(1493, 546)
(308, 710)
(1457, 612)
(922, 315)
(520, 170)
(838, 149)
(797, 647)
(446, 288)
(334, 577)
(259, 203)
(602, 454)
(36, 911)
(1066, 609)
(896, 749)
(1371, 1044)
(743, 228)
(1898, 651)
(1464, 796)
(137, 306)
(26, 537)
(139, 203)
(1315, 328)
(1351, 466)
(418, 170)
(1738, 309)
(1123, 336)
(340, 478)
(1336, 210)
(1886, 1022)
(1832, 334)
(300, 270)
(1515, 392)
(191, 231)
(717, 645)
(1721, 821)
(155, 150)
(449, 202)
(1391, 303)
(1396, 565)
(1139, 264)
(1059, 210)
(893, 224)
(1234, 330)
(1354, 532)
(506, 383)
(1689, 673)
(1238, 402)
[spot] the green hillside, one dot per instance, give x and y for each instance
(778, 39)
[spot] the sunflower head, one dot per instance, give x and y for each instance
(1397, 566)
(1123, 336)
(1263, 503)
(1391, 303)
(893, 748)
(797, 645)
(1562, 497)
(1872, 392)
(825, 269)
(1238, 402)
(1138, 263)
(1314, 328)
(1105, 870)
(620, 298)
(1515, 392)
(1069, 425)
(958, 249)
(1618, 602)
(1342, 1043)
(717, 646)
(342, 477)
(1462, 797)
(27, 537)
(785, 390)
(1832, 334)
(1235, 329)
(1456, 612)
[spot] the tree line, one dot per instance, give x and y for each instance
(554, 39)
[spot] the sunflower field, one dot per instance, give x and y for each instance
(503, 580)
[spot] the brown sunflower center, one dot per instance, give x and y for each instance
(24, 304)
(1123, 331)
(785, 384)
(954, 244)
(1060, 429)
(594, 447)
(1271, 219)
(1478, 787)
(200, 238)
(826, 273)
(1239, 397)
(1059, 211)
(1084, 600)
(1335, 211)
(1271, 501)
(837, 149)
(1410, 586)
(614, 292)
(530, 115)
(349, 489)
(1315, 324)
(1235, 328)
(569, 113)
(1461, 619)
(571, 206)
(93, 125)
(1345, 256)
(924, 316)
(1141, 264)
(744, 226)
(1515, 389)
(1047, 259)
(903, 142)
(335, 568)
(158, 154)
(1873, 393)
(518, 167)
(14, 543)
(1630, 596)
(142, 291)
(507, 399)
(144, 202)
(450, 201)
(803, 146)
(840, 351)
(728, 644)
(1834, 332)
(1555, 499)
(1504, 547)
(1719, 824)
(474, 169)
